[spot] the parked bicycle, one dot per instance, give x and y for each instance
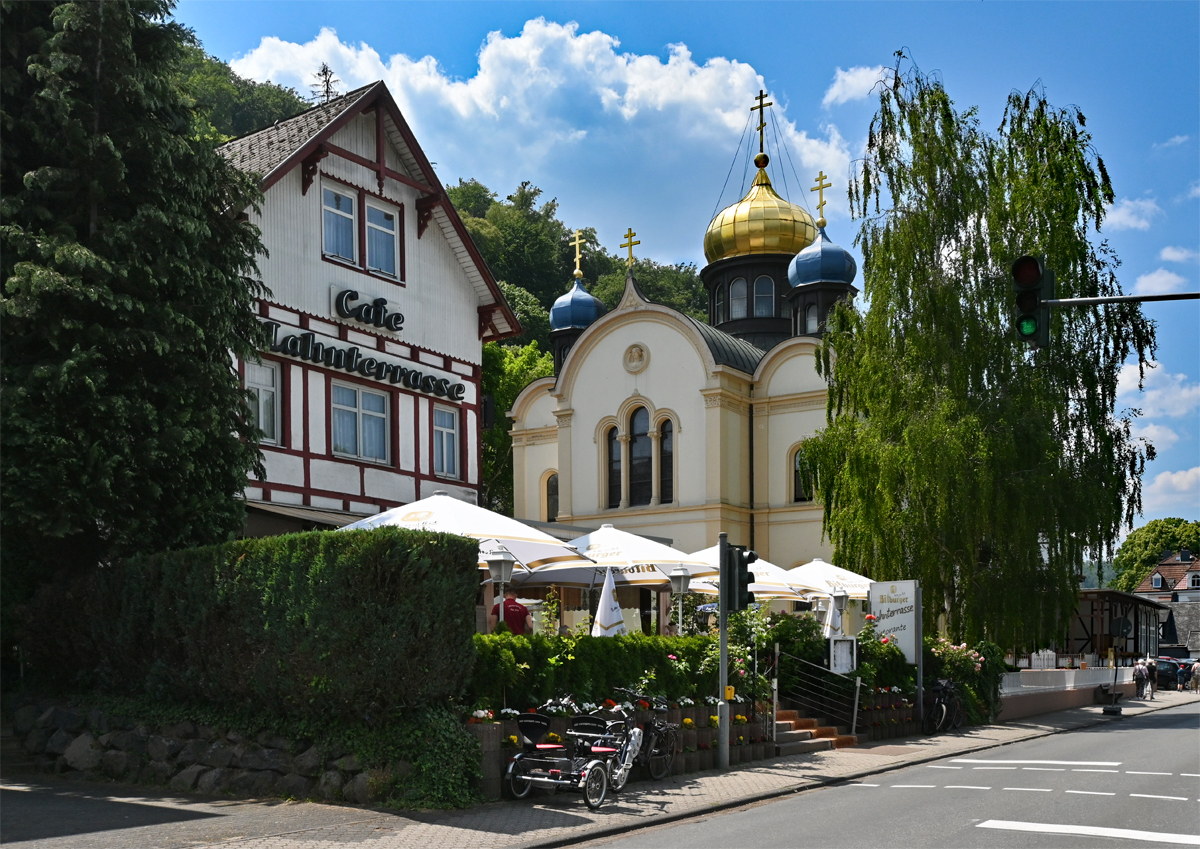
(584, 768)
(947, 710)
(660, 738)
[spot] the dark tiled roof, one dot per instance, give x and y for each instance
(728, 350)
(1187, 622)
(262, 151)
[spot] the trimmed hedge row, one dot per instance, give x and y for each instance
(346, 626)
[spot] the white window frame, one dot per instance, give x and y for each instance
(395, 213)
(257, 389)
(359, 414)
(353, 216)
(770, 296)
(745, 299)
(443, 436)
(1194, 582)
(1156, 581)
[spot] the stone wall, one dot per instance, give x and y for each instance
(189, 757)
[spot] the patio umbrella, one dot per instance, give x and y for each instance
(826, 579)
(769, 580)
(630, 559)
(440, 512)
(608, 622)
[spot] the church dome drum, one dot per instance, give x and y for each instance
(760, 223)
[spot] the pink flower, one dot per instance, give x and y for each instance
(672, 657)
(885, 641)
(742, 672)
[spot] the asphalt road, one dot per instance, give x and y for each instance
(1134, 782)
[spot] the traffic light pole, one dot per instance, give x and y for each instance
(1121, 299)
(726, 585)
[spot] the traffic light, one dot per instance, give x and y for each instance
(737, 577)
(1033, 285)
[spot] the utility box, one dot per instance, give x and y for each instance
(843, 654)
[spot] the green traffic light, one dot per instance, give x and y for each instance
(1027, 326)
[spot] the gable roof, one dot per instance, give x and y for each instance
(1172, 574)
(728, 350)
(275, 151)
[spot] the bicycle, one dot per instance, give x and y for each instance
(586, 769)
(946, 712)
(661, 738)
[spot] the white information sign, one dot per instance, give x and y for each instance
(894, 605)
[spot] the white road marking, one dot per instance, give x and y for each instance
(965, 787)
(935, 766)
(1052, 763)
(1190, 774)
(1089, 793)
(1093, 831)
(1095, 770)
(993, 767)
(1167, 798)
(860, 784)
(1032, 789)
(921, 786)
(1045, 768)
(1132, 772)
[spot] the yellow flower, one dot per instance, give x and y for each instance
(714, 721)
(687, 723)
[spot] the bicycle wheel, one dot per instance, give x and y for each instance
(934, 717)
(957, 715)
(620, 777)
(519, 784)
(662, 753)
(595, 786)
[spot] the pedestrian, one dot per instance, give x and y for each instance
(1152, 676)
(1196, 677)
(1139, 679)
(516, 615)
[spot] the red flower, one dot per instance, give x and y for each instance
(885, 641)
(870, 617)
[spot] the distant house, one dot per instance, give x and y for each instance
(1175, 582)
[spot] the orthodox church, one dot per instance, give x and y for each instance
(666, 426)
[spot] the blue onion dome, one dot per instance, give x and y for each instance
(576, 309)
(822, 262)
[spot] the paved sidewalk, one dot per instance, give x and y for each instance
(551, 820)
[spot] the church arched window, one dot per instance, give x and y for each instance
(811, 322)
(737, 299)
(552, 498)
(666, 461)
(641, 461)
(719, 309)
(802, 481)
(614, 468)
(764, 297)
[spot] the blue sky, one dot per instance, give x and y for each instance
(629, 114)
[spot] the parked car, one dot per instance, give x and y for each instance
(1168, 673)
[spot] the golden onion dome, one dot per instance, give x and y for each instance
(760, 223)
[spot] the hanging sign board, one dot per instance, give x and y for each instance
(894, 604)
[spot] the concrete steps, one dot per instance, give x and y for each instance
(790, 724)
(800, 747)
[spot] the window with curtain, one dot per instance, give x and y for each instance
(811, 325)
(552, 498)
(262, 381)
(737, 299)
(338, 219)
(666, 461)
(719, 311)
(445, 442)
(641, 461)
(764, 297)
(381, 240)
(802, 482)
(359, 423)
(614, 468)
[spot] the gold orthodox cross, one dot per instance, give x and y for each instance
(629, 243)
(577, 243)
(820, 188)
(762, 115)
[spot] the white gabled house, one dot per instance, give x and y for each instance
(379, 305)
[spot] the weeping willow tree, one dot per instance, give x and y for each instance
(953, 454)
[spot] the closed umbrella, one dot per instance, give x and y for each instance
(440, 512)
(608, 622)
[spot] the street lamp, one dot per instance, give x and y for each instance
(681, 579)
(839, 603)
(500, 564)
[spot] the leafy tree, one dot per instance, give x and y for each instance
(471, 198)
(953, 454)
(507, 370)
(1144, 547)
(126, 289)
(677, 286)
(533, 318)
(233, 105)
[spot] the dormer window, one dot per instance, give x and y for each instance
(1156, 582)
(1194, 582)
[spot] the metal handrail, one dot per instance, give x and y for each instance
(833, 705)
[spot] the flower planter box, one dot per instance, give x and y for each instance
(691, 761)
(675, 716)
(689, 739)
(706, 759)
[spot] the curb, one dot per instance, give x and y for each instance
(813, 784)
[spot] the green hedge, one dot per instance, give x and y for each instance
(348, 626)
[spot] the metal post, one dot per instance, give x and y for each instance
(854, 716)
(723, 630)
(679, 630)
(775, 701)
(920, 658)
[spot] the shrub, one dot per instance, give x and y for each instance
(979, 669)
(882, 664)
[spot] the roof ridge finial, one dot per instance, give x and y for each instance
(629, 243)
(577, 243)
(820, 188)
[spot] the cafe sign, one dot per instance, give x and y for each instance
(894, 605)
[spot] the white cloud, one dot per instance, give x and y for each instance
(1165, 394)
(1131, 214)
(1158, 282)
(563, 107)
(1160, 436)
(1172, 254)
(1174, 141)
(1194, 191)
(854, 84)
(1173, 491)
